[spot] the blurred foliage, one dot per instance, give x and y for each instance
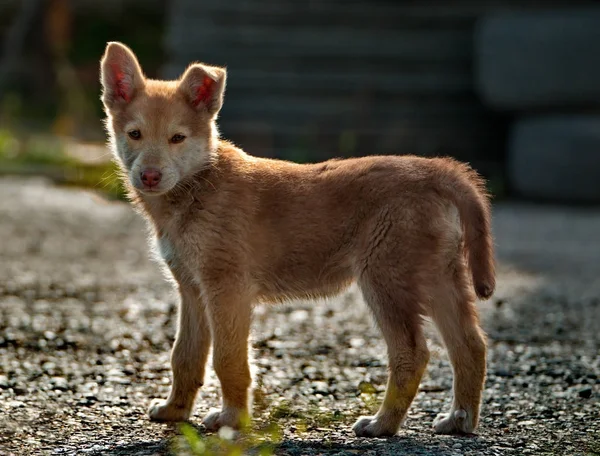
(228, 442)
(46, 155)
(314, 417)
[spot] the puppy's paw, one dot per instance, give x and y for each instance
(160, 410)
(455, 422)
(216, 419)
(373, 426)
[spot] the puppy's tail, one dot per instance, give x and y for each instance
(466, 189)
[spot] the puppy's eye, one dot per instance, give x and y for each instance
(134, 134)
(176, 139)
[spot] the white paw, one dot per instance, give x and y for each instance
(456, 422)
(160, 410)
(373, 426)
(216, 419)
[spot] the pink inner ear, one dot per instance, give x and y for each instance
(122, 88)
(204, 92)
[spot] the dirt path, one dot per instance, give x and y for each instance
(87, 322)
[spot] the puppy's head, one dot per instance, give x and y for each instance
(160, 131)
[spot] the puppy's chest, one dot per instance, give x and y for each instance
(172, 243)
(167, 251)
(179, 253)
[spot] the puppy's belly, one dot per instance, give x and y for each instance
(276, 288)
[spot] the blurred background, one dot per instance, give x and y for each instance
(513, 87)
(87, 320)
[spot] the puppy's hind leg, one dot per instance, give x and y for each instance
(455, 315)
(397, 311)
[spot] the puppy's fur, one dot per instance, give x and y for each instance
(235, 229)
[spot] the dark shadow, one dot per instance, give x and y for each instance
(397, 445)
(155, 448)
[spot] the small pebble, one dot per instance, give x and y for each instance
(585, 393)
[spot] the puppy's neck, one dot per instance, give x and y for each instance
(185, 200)
(162, 209)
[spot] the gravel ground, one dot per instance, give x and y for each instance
(87, 322)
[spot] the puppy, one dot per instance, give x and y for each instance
(234, 229)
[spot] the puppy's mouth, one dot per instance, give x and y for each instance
(152, 191)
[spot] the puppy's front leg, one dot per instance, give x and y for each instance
(188, 358)
(230, 326)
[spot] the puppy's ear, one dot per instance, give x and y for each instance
(120, 74)
(204, 86)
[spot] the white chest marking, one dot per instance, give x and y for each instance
(166, 250)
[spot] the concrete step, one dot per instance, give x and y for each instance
(556, 158)
(539, 60)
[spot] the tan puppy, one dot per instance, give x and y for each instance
(235, 230)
